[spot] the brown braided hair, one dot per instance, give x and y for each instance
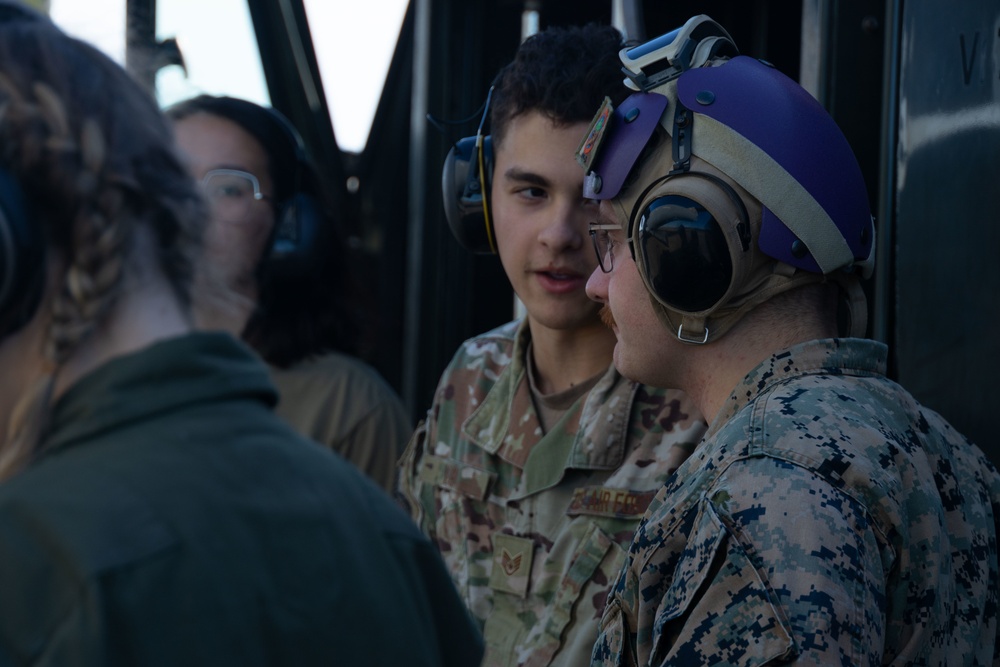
(95, 161)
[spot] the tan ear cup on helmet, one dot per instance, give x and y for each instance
(692, 236)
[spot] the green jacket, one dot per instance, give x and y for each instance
(172, 519)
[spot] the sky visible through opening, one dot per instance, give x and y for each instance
(354, 44)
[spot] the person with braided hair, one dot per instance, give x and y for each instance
(153, 509)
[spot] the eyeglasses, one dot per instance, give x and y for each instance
(604, 245)
(231, 193)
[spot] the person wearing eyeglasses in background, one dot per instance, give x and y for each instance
(827, 518)
(276, 272)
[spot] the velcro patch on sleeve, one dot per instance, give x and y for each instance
(511, 571)
(453, 475)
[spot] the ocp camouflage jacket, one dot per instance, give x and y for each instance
(534, 527)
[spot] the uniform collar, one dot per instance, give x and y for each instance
(833, 356)
(193, 368)
(591, 434)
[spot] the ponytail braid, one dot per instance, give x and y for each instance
(96, 163)
(95, 254)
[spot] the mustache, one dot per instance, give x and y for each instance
(606, 317)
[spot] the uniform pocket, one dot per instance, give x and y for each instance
(455, 476)
(447, 498)
(613, 646)
(408, 484)
(568, 625)
(718, 608)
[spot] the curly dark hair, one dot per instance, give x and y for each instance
(564, 72)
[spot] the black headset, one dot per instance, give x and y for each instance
(22, 242)
(22, 258)
(299, 215)
(691, 254)
(466, 180)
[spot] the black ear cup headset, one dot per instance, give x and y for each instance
(22, 240)
(688, 230)
(22, 258)
(693, 235)
(814, 222)
(300, 214)
(466, 180)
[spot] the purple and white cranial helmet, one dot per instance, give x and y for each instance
(762, 136)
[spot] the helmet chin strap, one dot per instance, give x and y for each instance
(701, 328)
(855, 303)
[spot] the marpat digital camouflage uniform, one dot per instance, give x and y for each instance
(827, 518)
(534, 528)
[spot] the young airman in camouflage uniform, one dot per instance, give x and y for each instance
(827, 517)
(537, 459)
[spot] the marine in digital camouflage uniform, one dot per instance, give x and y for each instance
(534, 527)
(827, 517)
